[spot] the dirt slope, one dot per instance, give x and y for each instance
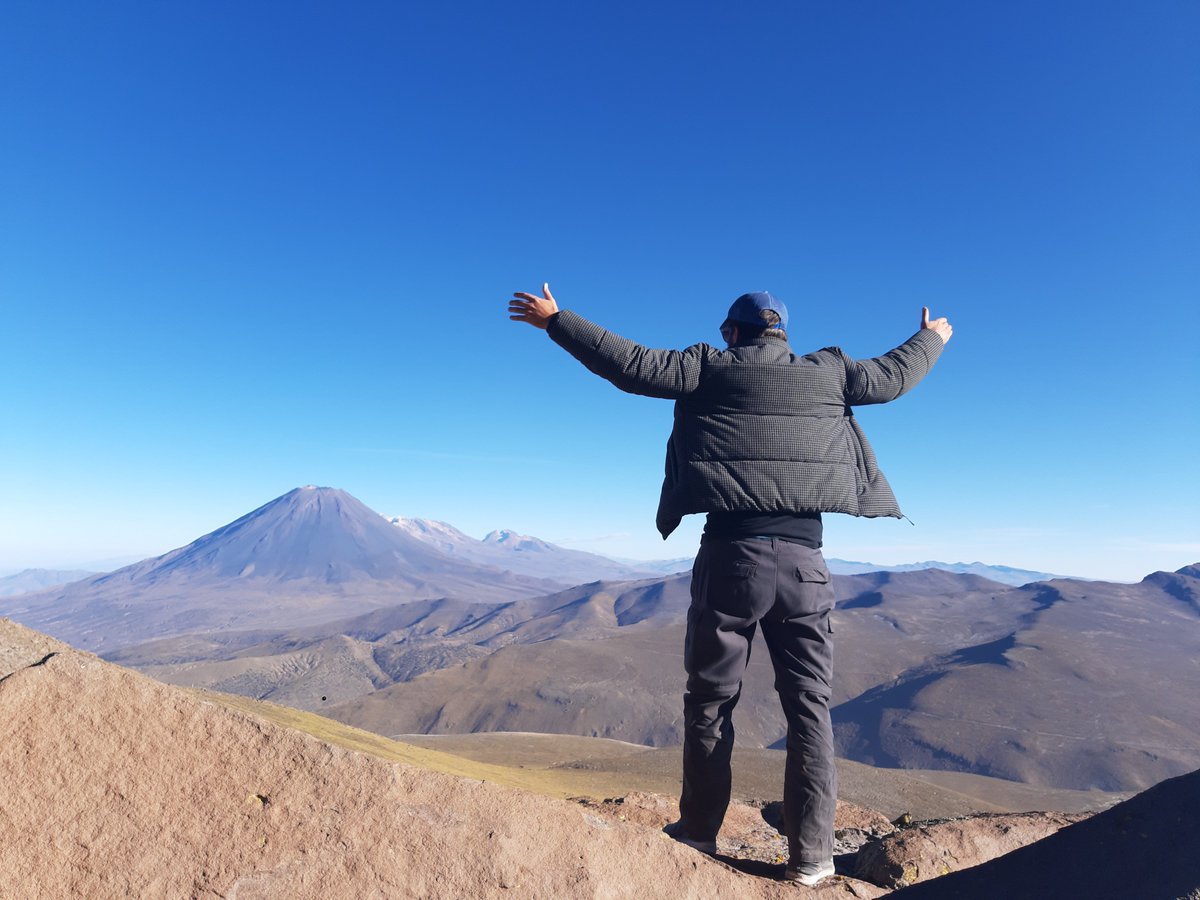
(116, 785)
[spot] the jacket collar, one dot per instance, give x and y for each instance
(763, 341)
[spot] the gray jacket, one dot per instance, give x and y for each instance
(758, 428)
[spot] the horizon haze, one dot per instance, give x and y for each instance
(501, 547)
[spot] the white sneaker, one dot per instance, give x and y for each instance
(808, 873)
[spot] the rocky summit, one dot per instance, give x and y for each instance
(117, 785)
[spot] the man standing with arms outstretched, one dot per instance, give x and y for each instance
(764, 442)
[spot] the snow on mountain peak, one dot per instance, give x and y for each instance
(442, 535)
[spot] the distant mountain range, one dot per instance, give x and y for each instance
(402, 626)
(533, 556)
(38, 580)
(524, 554)
(661, 566)
(527, 555)
(1002, 574)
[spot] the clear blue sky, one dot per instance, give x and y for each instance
(249, 246)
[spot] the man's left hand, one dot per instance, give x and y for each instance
(534, 310)
(941, 326)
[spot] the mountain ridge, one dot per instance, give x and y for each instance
(30, 580)
(1009, 575)
(962, 681)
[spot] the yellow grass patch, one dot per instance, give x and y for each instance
(548, 782)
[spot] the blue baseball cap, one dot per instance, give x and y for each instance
(747, 307)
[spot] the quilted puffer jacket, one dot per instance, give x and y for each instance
(758, 428)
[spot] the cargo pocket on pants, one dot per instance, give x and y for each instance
(813, 593)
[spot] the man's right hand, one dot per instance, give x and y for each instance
(941, 326)
(534, 310)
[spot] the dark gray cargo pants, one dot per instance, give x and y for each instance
(737, 584)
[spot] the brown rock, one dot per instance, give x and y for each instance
(640, 807)
(115, 785)
(860, 818)
(927, 850)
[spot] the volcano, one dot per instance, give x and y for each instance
(311, 555)
(311, 532)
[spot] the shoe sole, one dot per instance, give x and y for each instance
(809, 880)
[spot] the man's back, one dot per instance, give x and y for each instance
(758, 428)
(765, 430)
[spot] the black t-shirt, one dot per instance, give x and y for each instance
(803, 527)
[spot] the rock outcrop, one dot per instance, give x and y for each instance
(928, 850)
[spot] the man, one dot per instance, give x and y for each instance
(764, 441)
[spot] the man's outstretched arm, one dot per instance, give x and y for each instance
(625, 363)
(886, 377)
